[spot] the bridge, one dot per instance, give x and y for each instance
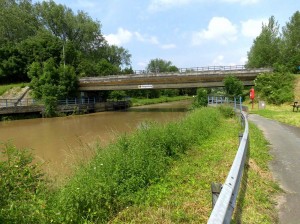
(211, 76)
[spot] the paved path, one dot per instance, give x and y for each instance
(285, 147)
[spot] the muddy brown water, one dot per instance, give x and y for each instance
(59, 142)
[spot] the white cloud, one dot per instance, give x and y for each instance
(219, 60)
(243, 2)
(145, 38)
(243, 60)
(252, 27)
(168, 46)
(219, 29)
(124, 36)
(158, 5)
(121, 37)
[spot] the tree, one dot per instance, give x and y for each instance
(160, 65)
(291, 43)
(233, 86)
(50, 83)
(17, 21)
(265, 49)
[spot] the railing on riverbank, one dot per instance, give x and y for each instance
(236, 102)
(69, 105)
(225, 204)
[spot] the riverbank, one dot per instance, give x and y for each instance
(163, 99)
(165, 178)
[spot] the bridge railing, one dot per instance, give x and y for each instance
(225, 204)
(198, 69)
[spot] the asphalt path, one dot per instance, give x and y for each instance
(285, 166)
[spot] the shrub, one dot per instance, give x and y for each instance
(276, 88)
(22, 187)
(201, 98)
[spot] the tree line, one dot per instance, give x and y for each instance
(279, 50)
(36, 33)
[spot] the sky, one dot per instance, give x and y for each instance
(189, 33)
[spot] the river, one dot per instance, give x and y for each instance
(61, 142)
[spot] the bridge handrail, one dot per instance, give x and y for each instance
(194, 70)
(223, 209)
(199, 69)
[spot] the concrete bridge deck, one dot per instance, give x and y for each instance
(183, 79)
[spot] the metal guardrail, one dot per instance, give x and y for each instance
(236, 102)
(225, 204)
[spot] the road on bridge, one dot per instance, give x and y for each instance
(285, 147)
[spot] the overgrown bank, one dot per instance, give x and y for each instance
(142, 171)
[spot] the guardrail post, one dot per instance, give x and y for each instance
(215, 190)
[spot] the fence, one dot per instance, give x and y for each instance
(198, 69)
(225, 204)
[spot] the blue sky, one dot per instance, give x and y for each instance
(189, 33)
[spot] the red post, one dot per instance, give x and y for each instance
(252, 95)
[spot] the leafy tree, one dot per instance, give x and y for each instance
(17, 21)
(276, 88)
(290, 43)
(233, 86)
(51, 83)
(117, 95)
(265, 49)
(160, 65)
(64, 24)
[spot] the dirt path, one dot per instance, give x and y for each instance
(285, 147)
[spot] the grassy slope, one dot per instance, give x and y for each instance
(162, 99)
(283, 113)
(184, 196)
(5, 88)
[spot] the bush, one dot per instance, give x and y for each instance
(276, 88)
(227, 111)
(201, 98)
(22, 187)
(233, 86)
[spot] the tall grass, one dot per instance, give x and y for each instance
(110, 181)
(168, 167)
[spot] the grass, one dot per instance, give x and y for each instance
(4, 88)
(283, 113)
(162, 99)
(184, 196)
(159, 174)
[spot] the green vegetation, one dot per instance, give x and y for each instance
(183, 195)
(5, 88)
(283, 113)
(162, 99)
(201, 98)
(277, 50)
(23, 187)
(165, 177)
(160, 65)
(276, 88)
(233, 86)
